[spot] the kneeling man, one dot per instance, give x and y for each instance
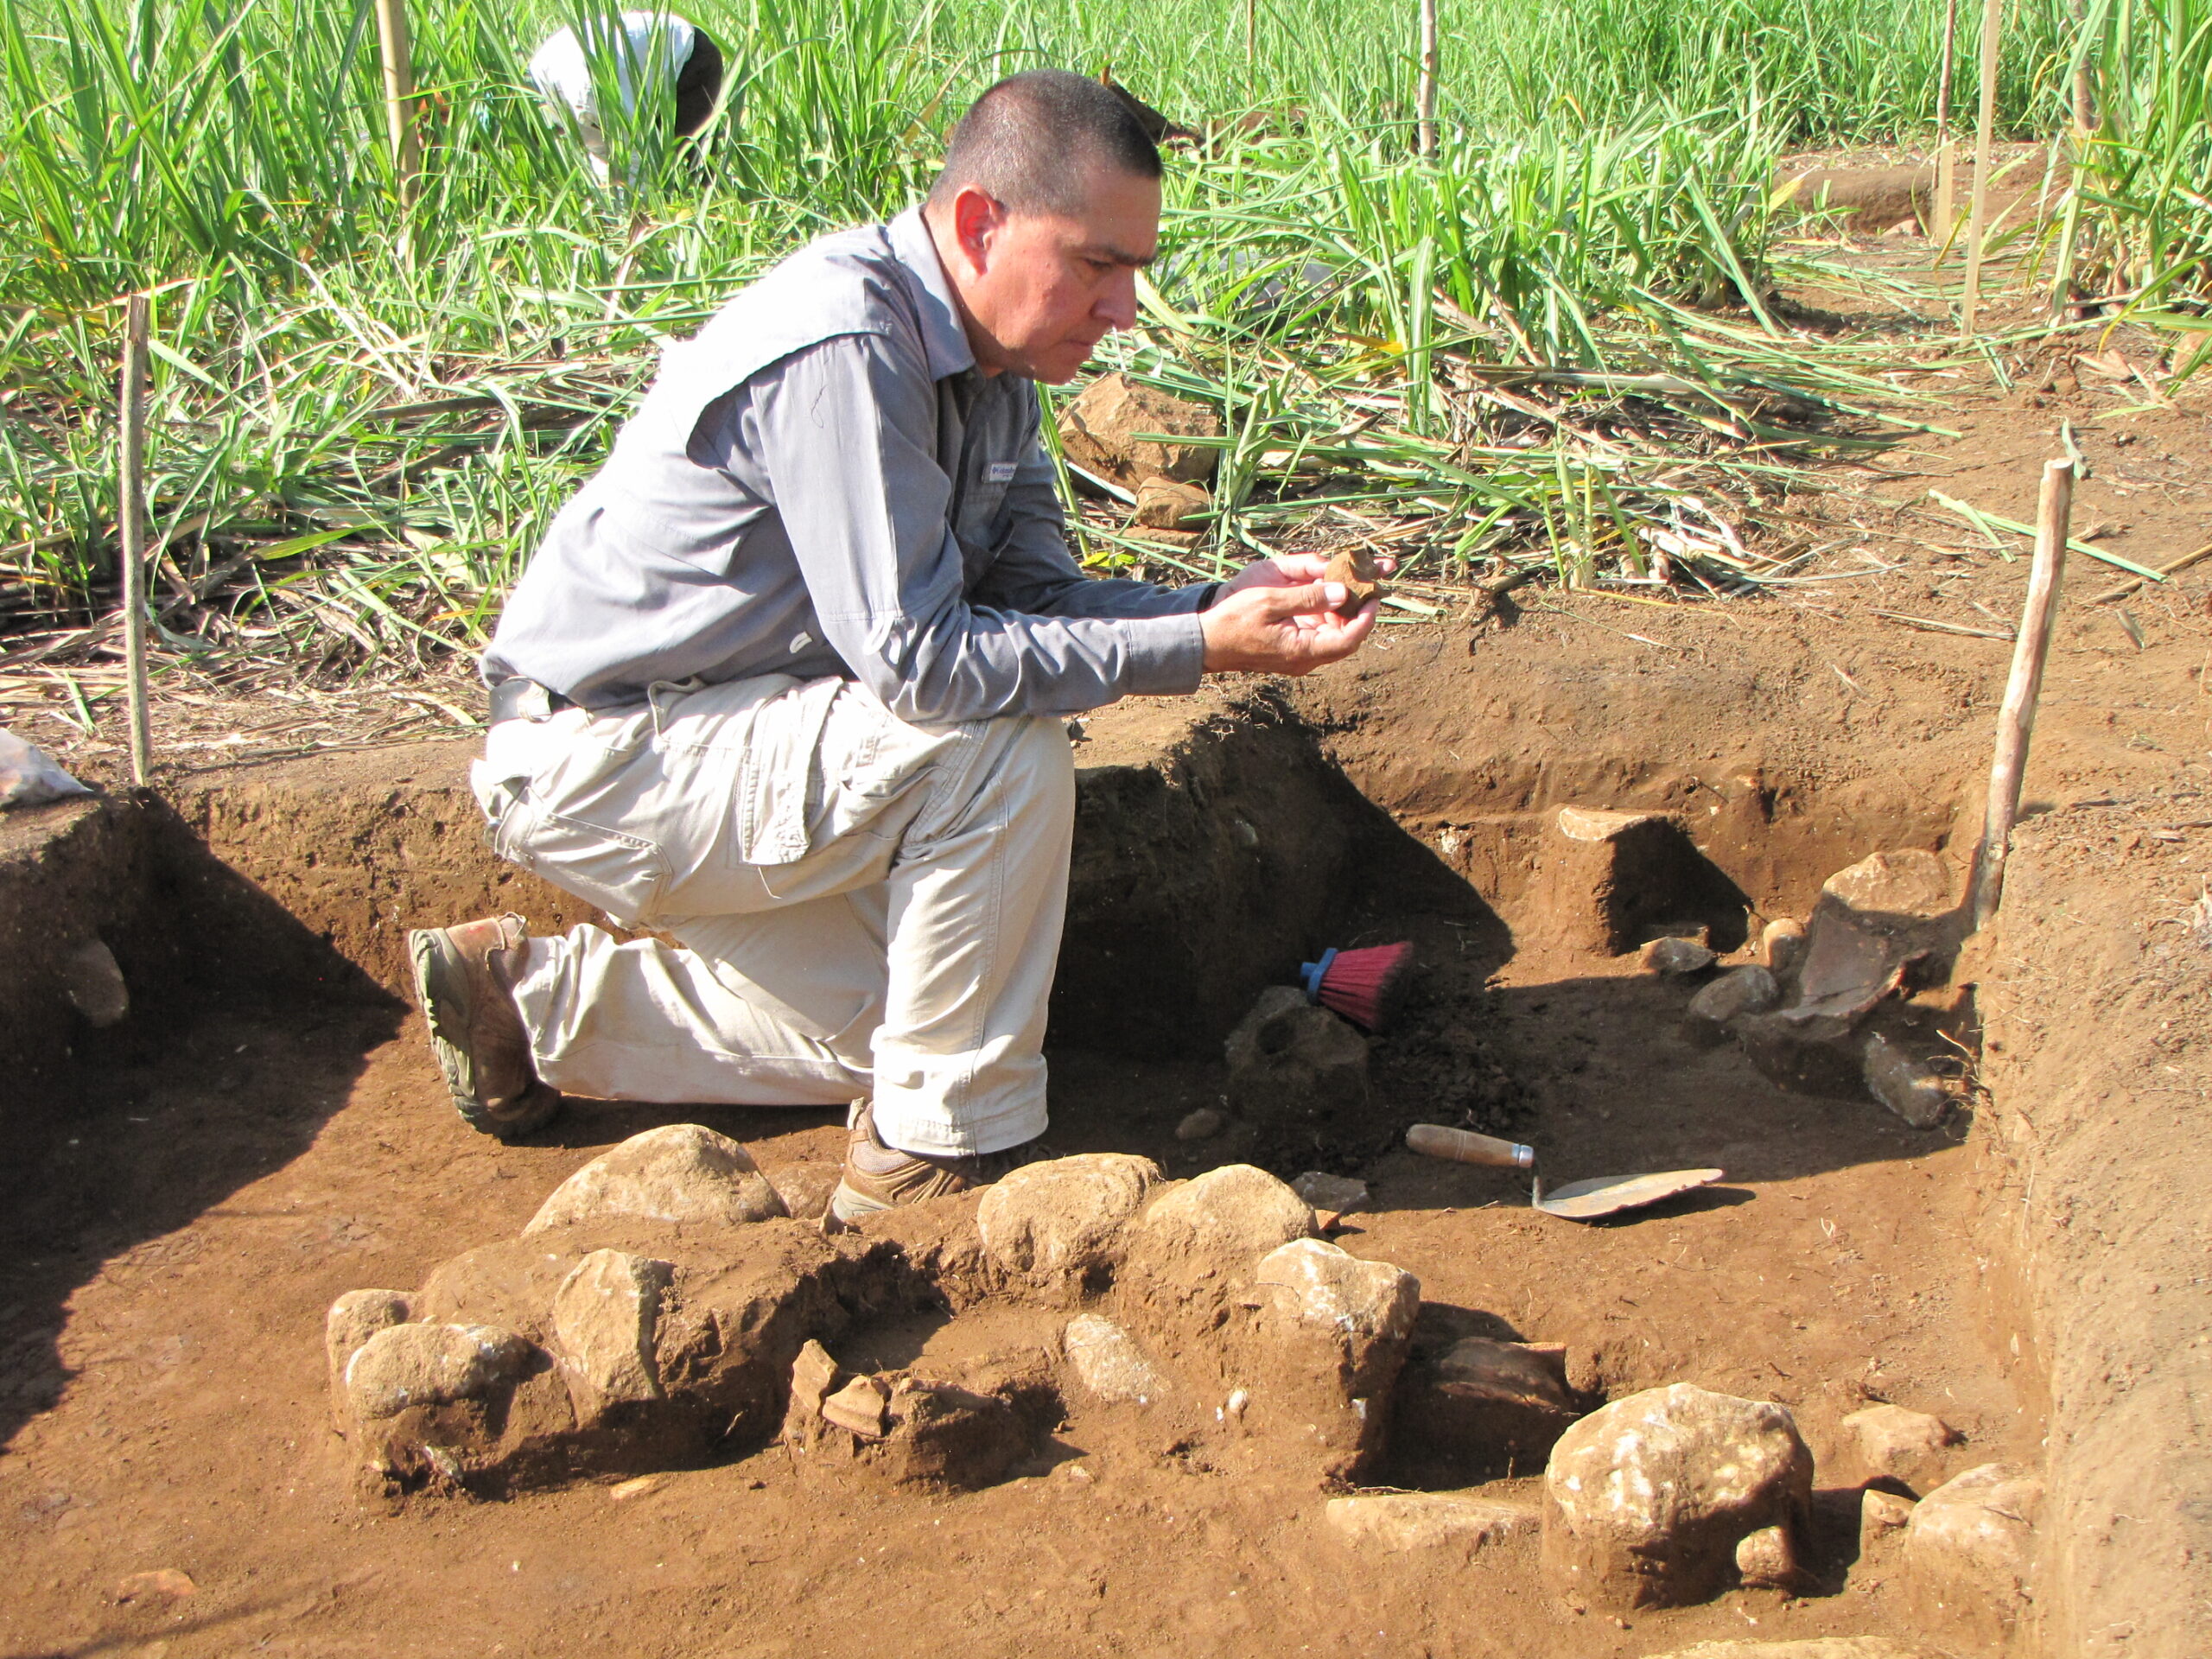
(786, 683)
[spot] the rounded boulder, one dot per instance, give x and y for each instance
(681, 1174)
(1063, 1219)
(1647, 1499)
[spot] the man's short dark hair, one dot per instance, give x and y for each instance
(1032, 141)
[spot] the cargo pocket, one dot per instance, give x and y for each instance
(622, 875)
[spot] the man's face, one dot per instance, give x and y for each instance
(1041, 290)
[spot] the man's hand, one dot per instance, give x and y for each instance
(1281, 629)
(1287, 570)
(1277, 616)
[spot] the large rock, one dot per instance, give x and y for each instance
(1496, 1407)
(1108, 1362)
(1968, 1550)
(1330, 1335)
(409, 1366)
(1646, 1500)
(352, 1319)
(1218, 1222)
(679, 1174)
(1394, 1522)
(1908, 1086)
(1291, 1062)
(1064, 1220)
(1906, 1445)
(1099, 433)
(605, 1317)
(1714, 1009)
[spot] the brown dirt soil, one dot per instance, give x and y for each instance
(226, 1163)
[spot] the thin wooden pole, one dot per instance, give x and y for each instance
(1946, 148)
(1425, 96)
(1992, 23)
(2015, 718)
(398, 43)
(130, 514)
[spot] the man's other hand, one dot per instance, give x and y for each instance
(1270, 629)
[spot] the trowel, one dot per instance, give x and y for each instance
(1577, 1200)
(1610, 1194)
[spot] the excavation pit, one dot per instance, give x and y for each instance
(265, 1131)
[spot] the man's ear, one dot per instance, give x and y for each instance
(977, 219)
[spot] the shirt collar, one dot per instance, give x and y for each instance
(943, 340)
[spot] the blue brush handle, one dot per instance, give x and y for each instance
(1311, 974)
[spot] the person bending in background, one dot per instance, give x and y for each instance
(651, 49)
(786, 681)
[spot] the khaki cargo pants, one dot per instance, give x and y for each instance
(860, 906)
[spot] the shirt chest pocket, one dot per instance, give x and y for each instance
(977, 528)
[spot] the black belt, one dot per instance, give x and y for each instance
(520, 699)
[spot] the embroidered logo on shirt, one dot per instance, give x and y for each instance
(999, 471)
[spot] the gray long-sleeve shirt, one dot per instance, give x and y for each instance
(820, 485)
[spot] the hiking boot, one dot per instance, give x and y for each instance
(877, 1176)
(464, 979)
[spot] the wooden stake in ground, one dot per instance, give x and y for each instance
(397, 44)
(1425, 93)
(2015, 718)
(1992, 23)
(130, 514)
(1946, 148)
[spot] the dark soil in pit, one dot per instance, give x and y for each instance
(171, 1258)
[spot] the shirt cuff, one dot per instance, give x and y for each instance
(1167, 656)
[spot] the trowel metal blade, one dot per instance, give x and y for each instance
(1588, 1200)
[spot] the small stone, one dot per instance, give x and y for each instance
(1736, 993)
(352, 1319)
(1291, 1062)
(1397, 1522)
(1593, 824)
(411, 1365)
(1906, 1445)
(94, 984)
(643, 1486)
(680, 1174)
(1913, 883)
(859, 1408)
(1109, 1362)
(1063, 1219)
(1325, 1191)
(604, 1316)
(1968, 1550)
(1646, 1499)
(814, 1378)
(1169, 504)
(167, 1582)
(1202, 1125)
(1355, 568)
(943, 1436)
(1881, 1516)
(1782, 946)
(1098, 432)
(1766, 1559)
(1225, 1216)
(1907, 1087)
(1676, 957)
(805, 1188)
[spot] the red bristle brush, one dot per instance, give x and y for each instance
(1361, 985)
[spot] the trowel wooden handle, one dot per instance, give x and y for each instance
(1465, 1146)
